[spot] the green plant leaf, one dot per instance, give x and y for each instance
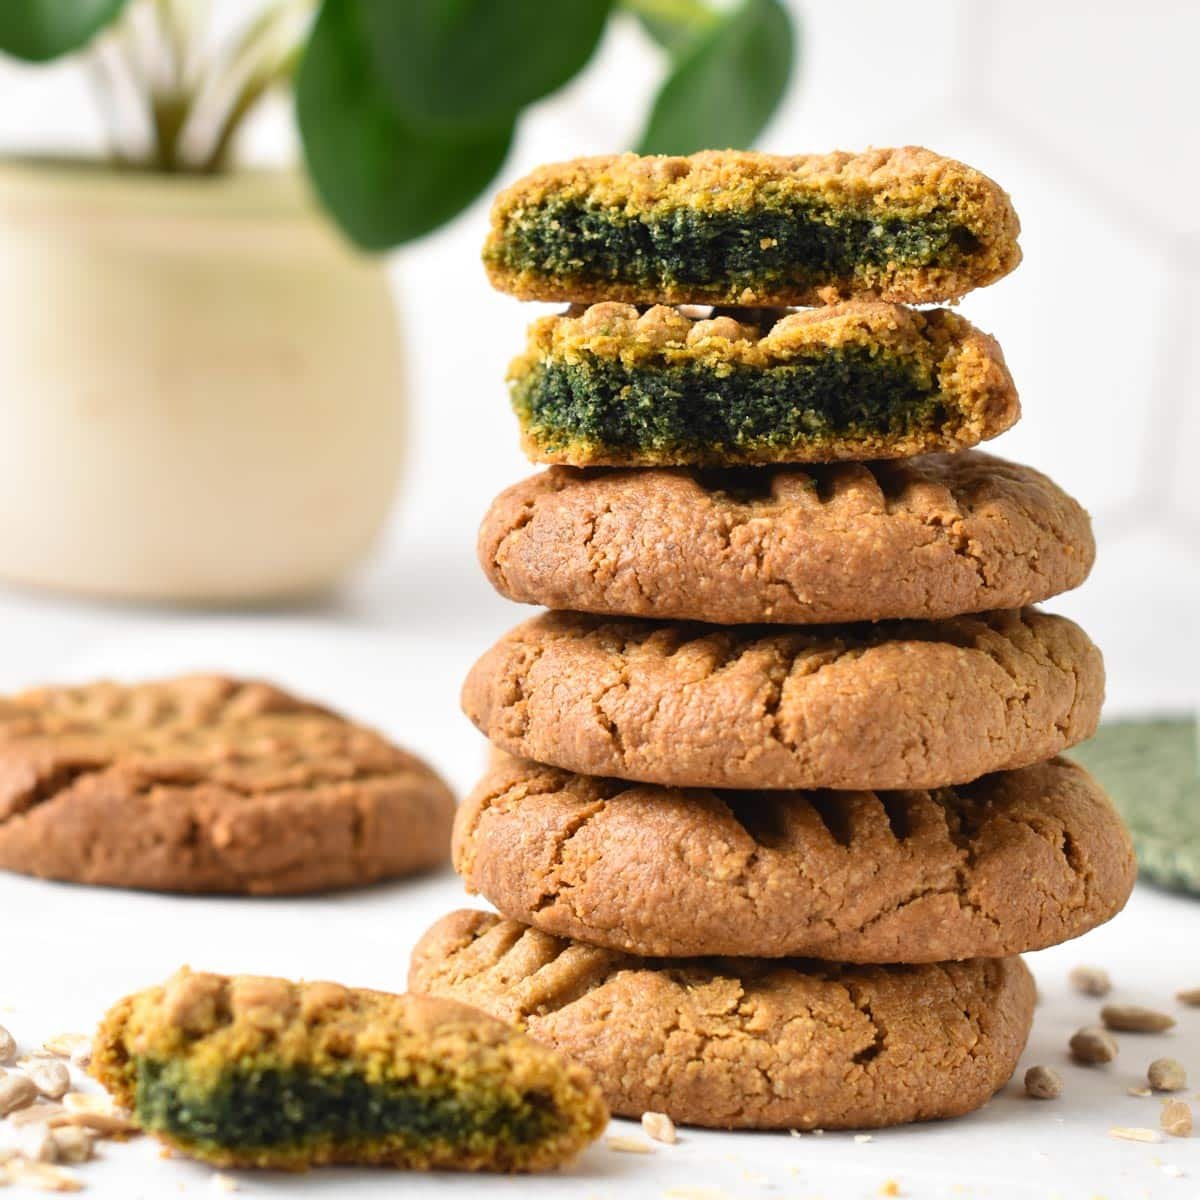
(725, 84)
(476, 62)
(672, 23)
(383, 181)
(38, 30)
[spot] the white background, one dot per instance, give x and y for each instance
(1086, 113)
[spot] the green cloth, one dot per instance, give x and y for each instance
(1150, 769)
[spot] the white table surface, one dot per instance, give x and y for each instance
(66, 953)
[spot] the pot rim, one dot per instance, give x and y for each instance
(84, 185)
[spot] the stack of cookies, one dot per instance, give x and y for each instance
(775, 804)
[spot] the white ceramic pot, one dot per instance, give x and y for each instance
(201, 394)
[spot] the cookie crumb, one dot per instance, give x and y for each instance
(1189, 996)
(8, 1045)
(659, 1127)
(890, 1188)
(1092, 1046)
(1091, 981)
(1167, 1075)
(1043, 1083)
(1133, 1133)
(628, 1145)
(863, 1137)
(1134, 1018)
(1176, 1118)
(1175, 1172)
(223, 1183)
(1137, 1091)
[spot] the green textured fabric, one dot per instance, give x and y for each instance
(1150, 769)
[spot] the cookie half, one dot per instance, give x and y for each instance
(1015, 861)
(257, 1072)
(927, 537)
(612, 387)
(894, 705)
(745, 1043)
(207, 784)
(738, 227)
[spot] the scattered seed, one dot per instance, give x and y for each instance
(1176, 1118)
(628, 1145)
(1043, 1083)
(35, 1143)
(72, 1144)
(50, 1077)
(861, 1138)
(1133, 1018)
(1134, 1134)
(1092, 1045)
(223, 1183)
(1175, 1172)
(1189, 996)
(64, 1045)
(1167, 1075)
(659, 1126)
(1137, 1091)
(8, 1045)
(16, 1091)
(97, 1112)
(1091, 981)
(36, 1114)
(42, 1176)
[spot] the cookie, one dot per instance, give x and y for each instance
(859, 380)
(893, 705)
(737, 227)
(926, 537)
(257, 1072)
(205, 784)
(1150, 768)
(745, 1043)
(1013, 862)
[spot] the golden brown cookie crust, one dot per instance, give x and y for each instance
(211, 1024)
(956, 364)
(903, 180)
(209, 784)
(904, 705)
(1013, 862)
(928, 537)
(745, 1043)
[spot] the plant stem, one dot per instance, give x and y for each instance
(689, 14)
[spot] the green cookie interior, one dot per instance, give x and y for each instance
(691, 407)
(251, 1108)
(719, 253)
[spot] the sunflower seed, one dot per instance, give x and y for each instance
(1091, 1046)
(1091, 981)
(1043, 1083)
(1133, 1018)
(1166, 1075)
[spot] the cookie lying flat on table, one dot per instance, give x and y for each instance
(738, 227)
(259, 1072)
(1015, 861)
(927, 537)
(206, 784)
(894, 705)
(860, 380)
(745, 1043)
